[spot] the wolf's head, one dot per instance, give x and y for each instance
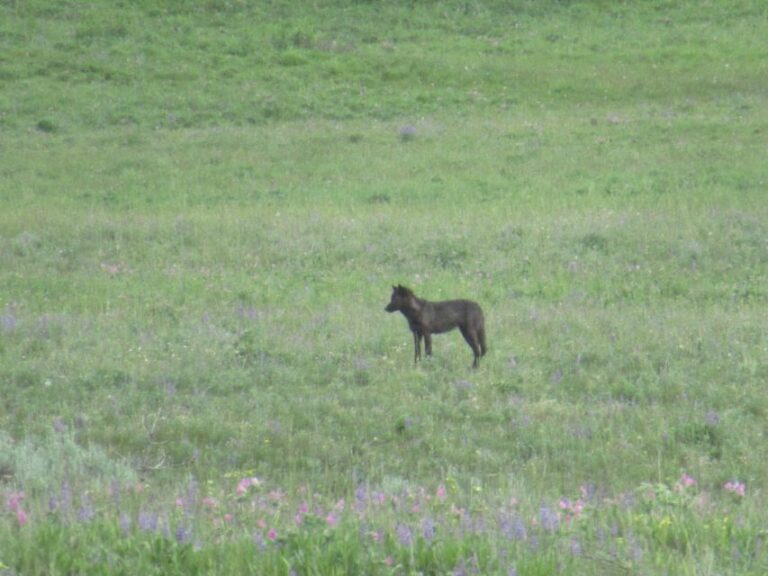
(402, 297)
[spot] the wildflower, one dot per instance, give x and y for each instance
(686, 481)
(245, 483)
(114, 491)
(361, 497)
(86, 512)
(13, 500)
(575, 547)
(65, 501)
(512, 527)
(735, 487)
(59, 426)
(21, 517)
(548, 518)
(125, 523)
(276, 495)
(272, 534)
(407, 133)
(228, 517)
(192, 491)
(331, 519)
(404, 535)
(183, 534)
(389, 561)
(147, 521)
(571, 509)
(428, 529)
(441, 493)
(258, 540)
(8, 321)
(13, 503)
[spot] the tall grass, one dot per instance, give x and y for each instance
(204, 207)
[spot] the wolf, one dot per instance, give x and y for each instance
(426, 318)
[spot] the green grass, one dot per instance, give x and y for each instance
(204, 206)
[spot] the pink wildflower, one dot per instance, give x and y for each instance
(245, 483)
(276, 496)
(688, 480)
(298, 519)
(441, 493)
(272, 534)
(331, 519)
(228, 517)
(388, 561)
(21, 516)
(572, 510)
(13, 502)
(735, 487)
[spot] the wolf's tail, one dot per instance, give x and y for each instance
(481, 337)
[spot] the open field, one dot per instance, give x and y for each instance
(204, 207)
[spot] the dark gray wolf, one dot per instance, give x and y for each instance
(426, 318)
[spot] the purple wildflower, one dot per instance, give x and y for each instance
(636, 552)
(404, 535)
(575, 547)
(259, 541)
(65, 498)
(86, 512)
(512, 527)
(147, 521)
(361, 498)
(407, 132)
(464, 568)
(125, 523)
(428, 529)
(548, 519)
(712, 418)
(183, 534)
(8, 322)
(464, 385)
(58, 425)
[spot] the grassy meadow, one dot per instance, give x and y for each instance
(204, 206)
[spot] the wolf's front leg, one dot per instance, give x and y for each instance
(417, 347)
